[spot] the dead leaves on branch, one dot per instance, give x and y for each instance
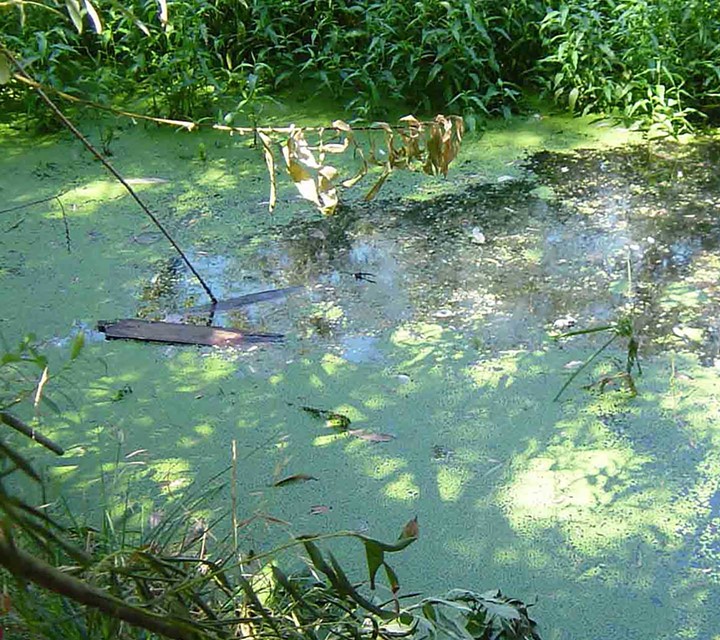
(430, 146)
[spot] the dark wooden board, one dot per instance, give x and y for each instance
(175, 333)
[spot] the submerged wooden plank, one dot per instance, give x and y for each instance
(176, 333)
(250, 298)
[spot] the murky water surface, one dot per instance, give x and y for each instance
(427, 320)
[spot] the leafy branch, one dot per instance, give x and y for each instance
(410, 145)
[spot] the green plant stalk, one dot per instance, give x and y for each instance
(587, 362)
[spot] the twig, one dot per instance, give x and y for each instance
(190, 125)
(233, 498)
(30, 204)
(14, 226)
(585, 364)
(65, 222)
(17, 424)
(74, 130)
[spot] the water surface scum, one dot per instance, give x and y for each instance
(604, 505)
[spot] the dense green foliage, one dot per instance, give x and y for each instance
(654, 62)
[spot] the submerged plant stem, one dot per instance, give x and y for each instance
(585, 364)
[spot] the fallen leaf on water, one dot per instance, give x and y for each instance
(410, 530)
(298, 477)
(319, 509)
(337, 421)
(274, 520)
(689, 333)
(370, 436)
(332, 420)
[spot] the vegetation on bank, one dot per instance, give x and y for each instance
(654, 63)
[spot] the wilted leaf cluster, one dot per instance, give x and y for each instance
(431, 146)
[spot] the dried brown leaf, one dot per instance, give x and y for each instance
(73, 9)
(297, 156)
(410, 530)
(301, 151)
(40, 387)
(293, 479)
(163, 13)
(270, 162)
(380, 182)
(362, 172)
(411, 120)
(370, 436)
(335, 147)
(327, 189)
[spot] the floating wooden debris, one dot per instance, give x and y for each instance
(250, 298)
(176, 333)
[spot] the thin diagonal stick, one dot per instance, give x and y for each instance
(65, 222)
(74, 130)
(584, 366)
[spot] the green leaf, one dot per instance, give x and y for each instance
(4, 70)
(572, 98)
(392, 578)
(73, 9)
(286, 584)
(500, 609)
(77, 345)
(375, 558)
(316, 557)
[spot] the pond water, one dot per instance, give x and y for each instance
(604, 505)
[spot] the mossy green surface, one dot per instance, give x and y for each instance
(603, 505)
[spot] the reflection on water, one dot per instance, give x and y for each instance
(589, 235)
